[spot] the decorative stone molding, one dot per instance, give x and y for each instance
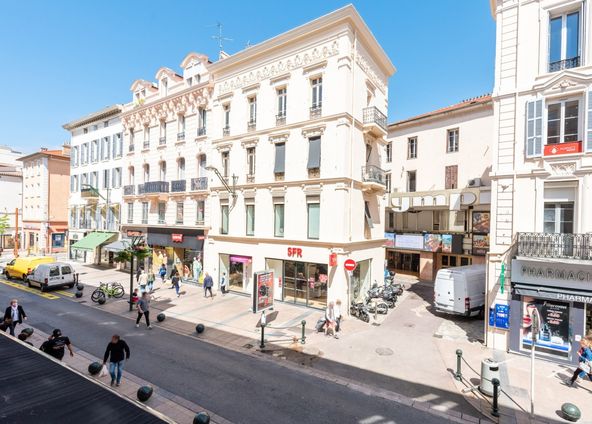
(563, 169)
(224, 147)
(372, 75)
(280, 67)
(251, 88)
(315, 131)
(312, 190)
(250, 142)
(279, 138)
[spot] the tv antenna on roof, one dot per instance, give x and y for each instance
(220, 38)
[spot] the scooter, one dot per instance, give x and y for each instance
(360, 311)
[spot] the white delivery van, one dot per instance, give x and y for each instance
(56, 274)
(460, 290)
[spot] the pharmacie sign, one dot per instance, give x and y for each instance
(548, 273)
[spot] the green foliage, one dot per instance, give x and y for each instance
(4, 223)
(139, 253)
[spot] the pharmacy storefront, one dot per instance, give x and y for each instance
(561, 293)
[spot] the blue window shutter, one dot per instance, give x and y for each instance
(534, 128)
(589, 123)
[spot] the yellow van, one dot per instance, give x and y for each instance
(20, 267)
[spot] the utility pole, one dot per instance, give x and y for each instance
(535, 320)
(16, 232)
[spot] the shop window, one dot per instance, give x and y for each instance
(305, 283)
(278, 215)
(250, 219)
(224, 219)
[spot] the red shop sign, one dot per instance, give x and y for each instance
(294, 252)
(177, 238)
(333, 259)
(563, 148)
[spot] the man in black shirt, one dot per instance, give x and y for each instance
(117, 352)
(56, 345)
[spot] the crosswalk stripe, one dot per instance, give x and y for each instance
(30, 290)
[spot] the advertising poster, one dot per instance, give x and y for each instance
(480, 245)
(432, 242)
(263, 291)
(553, 334)
(409, 241)
(446, 243)
(390, 240)
(481, 222)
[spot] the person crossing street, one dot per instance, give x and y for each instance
(143, 307)
(13, 315)
(117, 353)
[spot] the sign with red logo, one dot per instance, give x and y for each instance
(333, 259)
(133, 233)
(350, 265)
(177, 238)
(563, 148)
(201, 237)
(294, 252)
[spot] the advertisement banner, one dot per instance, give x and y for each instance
(446, 243)
(480, 245)
(263, 291)
(409, 241)
(481, 222)
(553, 335)
(432, 242)
(390, 240)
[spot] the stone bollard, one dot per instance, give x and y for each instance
(201, 418)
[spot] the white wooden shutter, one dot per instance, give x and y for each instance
(534, 128)
(588, 140)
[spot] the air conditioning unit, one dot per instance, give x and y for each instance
(474, 182)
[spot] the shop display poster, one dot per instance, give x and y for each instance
(263, 291)
(553, 334)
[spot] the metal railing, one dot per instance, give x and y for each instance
(199, 183)
(226, 131)
(129, 190)
(251, 125)
(181, 136)
(156, 187)
(162, 141)
(371, 115)
(572, 62)
(146, 144)
(555, 245)
(280, 119)
(372, 173)
(250, 178)
(131, 148)
(316, 111)
(178, 185)
(201, 131)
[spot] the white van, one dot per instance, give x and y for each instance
(56, 274)
(460, 290)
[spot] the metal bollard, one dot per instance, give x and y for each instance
(458, 374)
(262, 345)
(303, 339)
(494, 407)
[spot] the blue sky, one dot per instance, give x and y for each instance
(63, 59)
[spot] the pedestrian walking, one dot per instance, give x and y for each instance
(138, 273)
(142, 281)
(162, 272)
(176, 283)
(223, 283)
(117, 353)
(331, 320)
(338, 316)
(585, 364)
(143, 307)
(13, 315)
(208, 283)
(56, 345)
(150, 281)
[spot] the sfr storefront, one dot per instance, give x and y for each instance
(562, 294)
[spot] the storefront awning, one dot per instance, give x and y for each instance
(92, 240)
(553, 293)
(117, 246)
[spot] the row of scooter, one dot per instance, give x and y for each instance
(378, 300)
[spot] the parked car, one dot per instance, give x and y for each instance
(56, 274)
(460, 290)
(21, 267)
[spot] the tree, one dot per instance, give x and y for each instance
(4, 223)
(137, 251)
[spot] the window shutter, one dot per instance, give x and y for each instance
(534, 128)
(314, 153)
(589, 123)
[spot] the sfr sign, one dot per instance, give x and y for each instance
(294, 252)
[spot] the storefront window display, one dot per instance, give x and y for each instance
(238, 270)
(305, 283)
(359, 282)
(187, 262)
(58, 240)
(553, 336)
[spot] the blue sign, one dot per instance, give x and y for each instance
(499, 316)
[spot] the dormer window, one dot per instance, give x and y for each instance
(164, 86)
(190, 81)
(197, 78)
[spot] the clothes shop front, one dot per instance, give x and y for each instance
(177, 248)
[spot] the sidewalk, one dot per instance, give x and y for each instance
(177, 409)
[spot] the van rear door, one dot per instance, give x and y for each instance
(54, 278)
(444, 291)
(67, 274)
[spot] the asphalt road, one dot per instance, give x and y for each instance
(238, 387)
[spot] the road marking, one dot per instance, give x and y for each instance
(65, 293)
(30, 290)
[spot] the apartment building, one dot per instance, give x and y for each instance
(298, 126)
(11, 187)
(46, 176)
(166, 184)
(438, 166)
(540, 260)
(96, 175)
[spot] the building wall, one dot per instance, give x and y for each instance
(58, 183)
(11, 185)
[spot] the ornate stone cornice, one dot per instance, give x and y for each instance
(315, 131)
(279, 138)
(370, 72)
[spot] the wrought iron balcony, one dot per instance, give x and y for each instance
(372, 116)
(572, 62)
(162, 141)
(226, 131)
(131, 148)
(181, 136)
(156, 187)
(316, 111)
(251, 125)
(555, 245)
(178, 185)
(280, 119)
(146, 144)
(250, 178)
(373, 174)
(201, 131)
(199, 183)
(129, 190)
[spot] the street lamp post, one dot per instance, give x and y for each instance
(535, 324)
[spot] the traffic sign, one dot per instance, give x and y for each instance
(350, 265)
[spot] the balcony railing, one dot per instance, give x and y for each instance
(555, 245)
(131, 148)
(181, 136)
(280, 119)
(226, 131)
(316, 111)
(146, 144)
(199, 183)
(373, 174)
(162, 141)
(251, 125)
(129, 190)
(560, 65)
(371, 115)
(156, 187)
(250, 178)
(178, 185)
(201, 131)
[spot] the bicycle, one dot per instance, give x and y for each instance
(105, 290)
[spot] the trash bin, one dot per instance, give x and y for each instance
(489, 371)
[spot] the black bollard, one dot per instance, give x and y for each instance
(494, 407)
(262, 345)
(201, 418)
(303, 339)
(458, 374)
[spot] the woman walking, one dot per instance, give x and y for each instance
(13, 315)
(584, 366)
(150, 281)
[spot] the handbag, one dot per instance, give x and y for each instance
(585, 366)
